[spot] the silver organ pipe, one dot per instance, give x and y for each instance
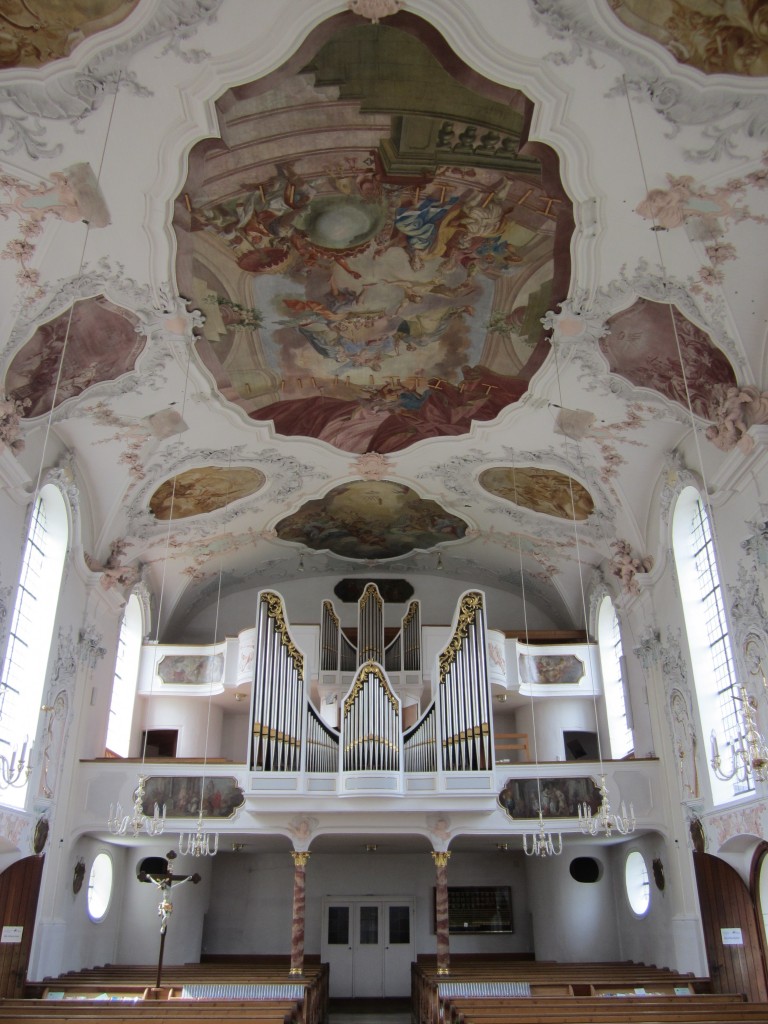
(330, 628)
(370, 626)
(411, 634)
(393, 654)
(420, 743)
(464, 699)
(347, 655)
(322, 744)
(279, 698)
(370, 724)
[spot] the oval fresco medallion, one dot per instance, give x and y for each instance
(203, 490)
(371, 519)
(541, 490)
(395, 294)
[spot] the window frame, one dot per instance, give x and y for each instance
(24, 667)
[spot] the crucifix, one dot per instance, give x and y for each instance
(165, 882)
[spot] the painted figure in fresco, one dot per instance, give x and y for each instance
(699, 208)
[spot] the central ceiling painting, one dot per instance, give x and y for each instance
(373, 242)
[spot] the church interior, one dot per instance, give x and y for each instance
(415, 608)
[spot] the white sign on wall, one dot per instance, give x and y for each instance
(12, 933)
(731, 936)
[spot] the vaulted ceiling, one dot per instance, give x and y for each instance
(303, 292)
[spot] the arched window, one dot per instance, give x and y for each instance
(124, 684)
(611, 662)
(707, 632)
(34, 612)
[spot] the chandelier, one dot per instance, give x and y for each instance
(199, 843)
(120, 824)
(605, 821)
(14, 771)
(749, 753)
(542, 842)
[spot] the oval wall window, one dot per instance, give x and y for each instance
(637, 883)
(100, 887)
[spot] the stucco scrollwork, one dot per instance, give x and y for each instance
(75, 93)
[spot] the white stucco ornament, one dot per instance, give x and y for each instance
(375, 9)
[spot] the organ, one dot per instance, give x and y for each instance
(453, 733)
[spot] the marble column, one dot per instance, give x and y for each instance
(300, 859)
(441, 859)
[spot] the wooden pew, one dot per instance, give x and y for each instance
(137, 981)
(432, 994)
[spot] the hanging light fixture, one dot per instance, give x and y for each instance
(542, 842)
(604, 821)
(14, 770)
(199, 843)
(133, 824)
(749, 752)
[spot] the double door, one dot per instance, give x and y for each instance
(368, 945)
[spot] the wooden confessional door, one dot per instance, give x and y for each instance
(368, 945)
(19, 890)
(730, 929)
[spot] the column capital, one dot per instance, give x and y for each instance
(441, 857)
(300, 857)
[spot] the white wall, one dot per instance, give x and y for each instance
(252, 894)
(572, 920)
(650, 938)
(553, 717)
(190, 717)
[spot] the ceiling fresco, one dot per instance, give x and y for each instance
(541, 490)
(35, 32)
(655, 346)
(381, 280)
(715, 37)
(201, 490)
(70, 353)
(299, 297)
(371, 519)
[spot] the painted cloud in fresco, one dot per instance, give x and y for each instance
(32, 376)
(371, 519)
(541, 490)
(386, 284)
(203, 490)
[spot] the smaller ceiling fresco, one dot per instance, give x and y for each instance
(715, 37)
(206, 489)
(541, 490)
(36, 32)
(642, 347)
(97, 341)
(371, 519)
